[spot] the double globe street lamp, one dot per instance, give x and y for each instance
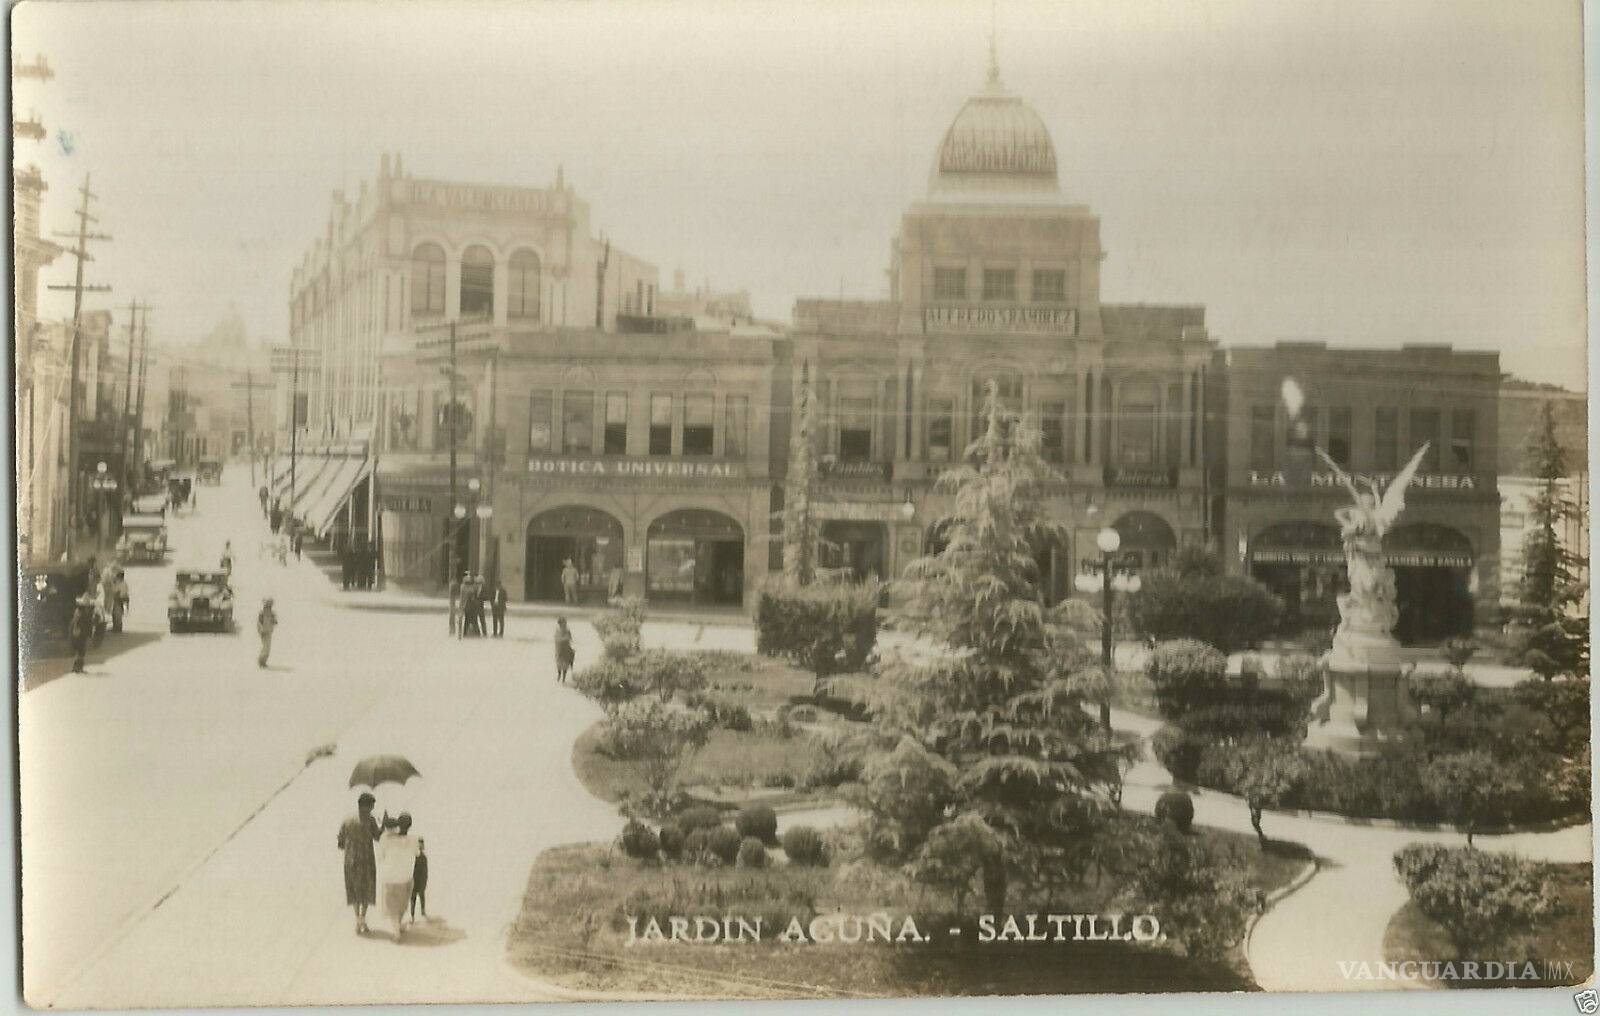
(480, 509)
(104, 484)
(1109, 580)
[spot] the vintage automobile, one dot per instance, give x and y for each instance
(144, 538)
(150, 504)
(47, 597)
(201, 598)
(209, 472)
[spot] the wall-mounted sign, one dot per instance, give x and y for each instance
(494, 199)
(623, 468)
(1423, 481)
(860, 511)
(834, 469)
(1136, 476)
(636, 559)
(1000, 319)
(407, 503)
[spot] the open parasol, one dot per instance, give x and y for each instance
(377, 769)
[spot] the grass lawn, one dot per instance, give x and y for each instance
(1568, 936)
(573, 927)
(1133, 692)
(730, 760)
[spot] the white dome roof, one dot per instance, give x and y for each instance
(996, 147)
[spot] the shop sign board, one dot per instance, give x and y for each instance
(1135, 476)
(1422, 481)
(860, 511)
(834, 469)
(636, 559)
(636, 468)
(1001, 319)
(407, 503)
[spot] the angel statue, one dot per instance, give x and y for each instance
(1368, 612)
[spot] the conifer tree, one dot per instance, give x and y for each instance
(1557, 635)
(998, 707)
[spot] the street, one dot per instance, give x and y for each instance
(180, 848)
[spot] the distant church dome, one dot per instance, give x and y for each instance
(997, 147)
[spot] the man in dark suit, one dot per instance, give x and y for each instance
(497, 606)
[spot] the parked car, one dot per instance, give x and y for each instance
(200, 598)
(47, 598)
(144, 538)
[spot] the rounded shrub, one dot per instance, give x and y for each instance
(670, 840)
(758, 821)
(751, 853)
(696, 847)
(638, 841)
(804, 845)
(723, 842)
(1176, 807)
(701, 816)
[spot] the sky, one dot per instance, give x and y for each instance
(1368, 173)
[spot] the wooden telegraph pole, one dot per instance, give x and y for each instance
(250, 386)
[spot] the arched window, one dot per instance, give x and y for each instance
(477, 282)
(523, 285)
(427, 279)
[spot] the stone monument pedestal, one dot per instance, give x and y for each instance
(1365, 704)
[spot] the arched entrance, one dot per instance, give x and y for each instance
(588, 537)
(1433, 582)
(1303, 564)
(696, 556)
(1147, 540)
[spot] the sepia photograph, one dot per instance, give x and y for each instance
(626, 502)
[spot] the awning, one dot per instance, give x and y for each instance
(321, 513)
(304, 474)
(308, 491)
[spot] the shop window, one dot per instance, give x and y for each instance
(1049, 285)
(1463, 432)
(1136, 433)
(1425, 427)
(660, 425)
(577, 422)
(735, 444)
(617, 423)
(477, 282)
(427, 280)
(1000, 284)
(1339, 442)
(522, 286)
(699, 424)
(855, 430)
(1386, 438)
(540, 410)
(1263, 438)
(1052, 427)
(941, 420)
(949, 283)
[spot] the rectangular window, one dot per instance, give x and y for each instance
(616, 423)
(1049, 285)
(1339, 440)
(541, 406)
(660, 425)
(941, 416)
(1425, 427)
(735, 437)
(1263, 438)
(1386, 439)
(1136, 426)
(999, 283)
(1463, 432)
(577, 422)
(855, 430)
(949, 283)
(1174, 412)
(1303, 430)
(699, 424)
(1053, 434)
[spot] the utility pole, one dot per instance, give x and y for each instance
(81, 254)
(291, 359)
(123, 442)
(250, 386)
(138, 412)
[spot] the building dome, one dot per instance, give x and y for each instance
(997, 147)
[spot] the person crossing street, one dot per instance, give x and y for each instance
(266, 624)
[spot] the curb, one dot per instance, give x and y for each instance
(526, 611)
(1312, 869)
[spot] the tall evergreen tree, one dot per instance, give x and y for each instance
(1557, 633)
(799, 522)
(990, 727)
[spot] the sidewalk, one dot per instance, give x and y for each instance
(406, 602)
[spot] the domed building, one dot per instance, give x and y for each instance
(995, 276)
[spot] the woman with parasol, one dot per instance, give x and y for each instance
(357, 835)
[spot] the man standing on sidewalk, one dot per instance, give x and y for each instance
(266, 623)
(455, 607)
(79, 629)
(569, 582)
(497, 605)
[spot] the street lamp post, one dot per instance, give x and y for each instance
(105, 485)
(1109, 541)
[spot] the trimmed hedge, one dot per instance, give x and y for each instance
(827, 628)
(1227, 611)
(723, 842)
(670, 840)
(803, 845)
(751, 853)
(701, 816)
(1176, 807)
(758, 821)
(639, 842)
(1193, 687)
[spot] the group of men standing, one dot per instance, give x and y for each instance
(358, 564)
(468, 599)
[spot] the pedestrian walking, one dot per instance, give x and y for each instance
(347, 566)
(419, 881)
(79, 629)
(299, 534)
(266, 624)
(356, 836)
(275, 518)
(565, 657)
(119, 599)
(455, 607)
(227, 558)
(472, 607)
(569, 582)
(480, 604)
(397, 864)
(497, 607)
